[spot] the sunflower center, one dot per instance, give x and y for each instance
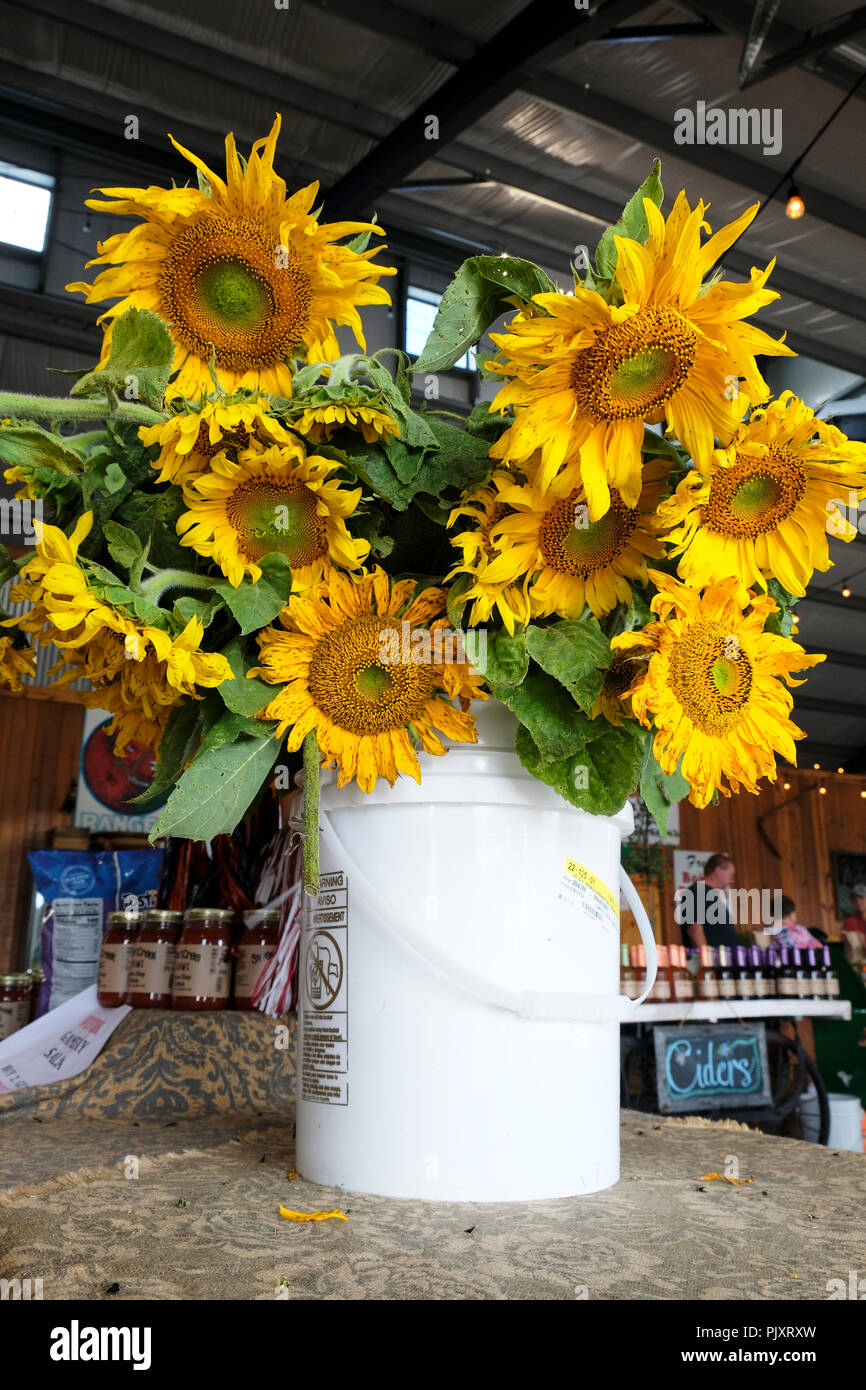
(224, 284)
(356, 689)
(755, 495)
(711, 677)
(573, 548)
(634, 367)
(268, 516)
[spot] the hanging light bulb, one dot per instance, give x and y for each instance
(795, 206)
(846, 592)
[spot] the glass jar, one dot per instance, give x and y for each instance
(202, 967)
(15, 1000)
(152, 959)
(112, 977)
(37, 978)
(661, 991)
(255, 949)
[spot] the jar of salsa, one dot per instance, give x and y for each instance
(152, 959)
(256, 947)
(111, 979)
(15, 991)
(202, 967)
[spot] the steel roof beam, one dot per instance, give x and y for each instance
(813, 44)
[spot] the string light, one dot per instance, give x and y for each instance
(846, 592)
(823, 791)
(795, 206)
(863, 794)
(817, 767)
(786, 786)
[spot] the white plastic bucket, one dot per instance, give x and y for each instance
(459, 1008)
(846, 1120)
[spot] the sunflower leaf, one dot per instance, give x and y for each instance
(217, 788)
(597, 778)
(556, 725)
(205, 609)
(230, 727)
(124, 546)
(243, 694)
(632, 224)
(660, 791)
(180, 740)
(574, 653)
(483, 288)
(507, 661)
(29, 446)
(141, 359)
(255, 605)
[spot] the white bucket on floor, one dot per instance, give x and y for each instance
(459, 1008)
(846, 1120)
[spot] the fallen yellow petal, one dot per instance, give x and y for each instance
(311, 1215)
(735, 1182)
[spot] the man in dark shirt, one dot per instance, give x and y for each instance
(702, 908)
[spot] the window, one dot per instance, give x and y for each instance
(25, 202)
(421, 306)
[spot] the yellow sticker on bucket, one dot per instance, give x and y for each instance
(581, 886)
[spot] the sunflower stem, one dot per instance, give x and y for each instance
(311, 814)
(163, 580)
(62, 411)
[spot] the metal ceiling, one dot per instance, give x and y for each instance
(558, 113)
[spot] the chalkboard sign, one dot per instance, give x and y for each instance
(711, 1067)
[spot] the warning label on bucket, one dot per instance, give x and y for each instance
(324, 994)
(580, 887)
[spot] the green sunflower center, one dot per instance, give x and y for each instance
(711, 677)
(572, 547)
(269, 516)
(755, 494)
(634, 367)
(225, 286)
(359, 691)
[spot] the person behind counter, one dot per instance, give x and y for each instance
(857, 921)
(787, 931)
(702, 908)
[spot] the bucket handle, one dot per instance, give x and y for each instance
(539, 1004)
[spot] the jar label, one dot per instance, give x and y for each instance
(202, 971)
(113, 967)
(708, 989)
(150, 967)
(251, 961)
(14, 1013)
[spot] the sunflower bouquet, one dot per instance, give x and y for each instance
(260, 542)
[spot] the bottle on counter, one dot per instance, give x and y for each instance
(258, 945)
(682, 982)
(786, 980)
(745, 974)
(628, 980)
(112, 978)
(831, 979)
(15, 1003)
(37, 977)
(728, 982)
(772, 957)
(763, 981)
(661, 992)
(202, 976)
(815, 972)
(152, 959)
(708, 975)
(801, 974)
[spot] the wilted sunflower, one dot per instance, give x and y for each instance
(563, 559)
(766, 503)
(239, 268)
(714, 686)
(15, 662)
(319, 422)
(272, 500)
(587, 375)
(614, 701)
(359, 664)
(187, 442)
(486, 510)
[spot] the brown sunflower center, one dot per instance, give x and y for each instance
(634, 367)
(755, 495)
(269, 516)
(572, 544)
(619, 675)
(356, 689)
(238, 438)
(224, 284)
(711, 677)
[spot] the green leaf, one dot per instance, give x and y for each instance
(243, 695)
(660, 790)
(115, 478)
(124, 546)
(483, 289)
(254, 605)
(632, 223)
(598, 777)
(138, 369)
(557, 726)
(230, 727)
(28, 446)
(180, 740)
(456, 601)
(576, 653)
(217, 789)
(205, 609)
(507, 661)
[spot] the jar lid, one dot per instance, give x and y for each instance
(163, 914)
(262, 917)
(210, 914)
(128, 917)
(21, 981)
(37, 974)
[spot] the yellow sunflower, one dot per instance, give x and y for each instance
(765, 504)
(586, 375)
(15, 662)
(319, 422)
(359, 664)
(278, 499)
(561, 558)
(240, 268)
(714, 686)
(188, 442)
(486, 510)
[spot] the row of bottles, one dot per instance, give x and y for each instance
(730, 972)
